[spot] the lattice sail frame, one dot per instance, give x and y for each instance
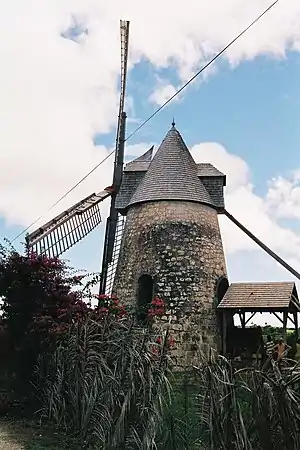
(112, 267)
(68, 228)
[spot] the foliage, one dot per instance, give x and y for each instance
(248, 408)
(105, 385)
(41, 299)
(95, 372)
(50, 440)
(180, 428)
(276, 332)
(105, 380)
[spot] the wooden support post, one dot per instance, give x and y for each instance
(289, 317)
(296, 324)
(243, 319)
(250, 318)
(285, 317)
(224, 333)
(277, 317)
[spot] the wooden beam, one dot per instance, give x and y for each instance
(285, 317)
(295, 302)
(262, 245)
(251, 317)
(242, 318)
(252, 310)
(296, 324)
(278, 317)
(224, 333)
(289, 317)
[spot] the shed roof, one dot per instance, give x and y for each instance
(260, 296)
(172, 175)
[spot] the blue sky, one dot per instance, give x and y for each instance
(252, 110)
(58, 120)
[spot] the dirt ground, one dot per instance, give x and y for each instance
(11, 437)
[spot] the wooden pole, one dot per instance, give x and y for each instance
(285, 317)
(296, 324)
(262, 245)
(224, 333)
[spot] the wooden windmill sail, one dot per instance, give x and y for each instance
(65, 230)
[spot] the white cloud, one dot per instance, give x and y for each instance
(136, 150)
(245, 260)
(235, 168)
(56, 93)
(162, 93)
(283, 197)
(250, 209)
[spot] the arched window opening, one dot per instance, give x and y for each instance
(145, 297)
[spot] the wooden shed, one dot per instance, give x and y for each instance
(277, 298)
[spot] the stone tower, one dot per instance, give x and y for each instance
(172, 245)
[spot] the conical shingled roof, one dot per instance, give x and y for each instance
(172, 175)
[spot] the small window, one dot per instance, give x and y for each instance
(145, 297)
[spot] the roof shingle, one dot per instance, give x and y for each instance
(172, 175)
(208, 170)
(264, 296)
(140, 164)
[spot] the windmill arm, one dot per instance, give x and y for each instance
(69, 227)
(262, 245)
(112, 221)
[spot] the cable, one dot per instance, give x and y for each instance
(154, 114)
(67, 193)
(201, 70)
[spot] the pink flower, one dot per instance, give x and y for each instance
(171, 342)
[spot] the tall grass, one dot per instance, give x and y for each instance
(104, 385)
(218, 407)
(247, 408)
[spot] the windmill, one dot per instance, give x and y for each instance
(68, 228)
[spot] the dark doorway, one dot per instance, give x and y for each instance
(145, 297)
(221, 288)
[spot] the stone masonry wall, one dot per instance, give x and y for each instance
(179, 245)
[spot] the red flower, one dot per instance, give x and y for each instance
(159, 340)
(171, 342)
(158, 308)
(154, 350)
(151, 312)
(103, 310)
(157, 302)
(102, 297)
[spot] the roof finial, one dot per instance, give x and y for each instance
(173, 123)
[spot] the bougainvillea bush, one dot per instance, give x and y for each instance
(41, 298)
